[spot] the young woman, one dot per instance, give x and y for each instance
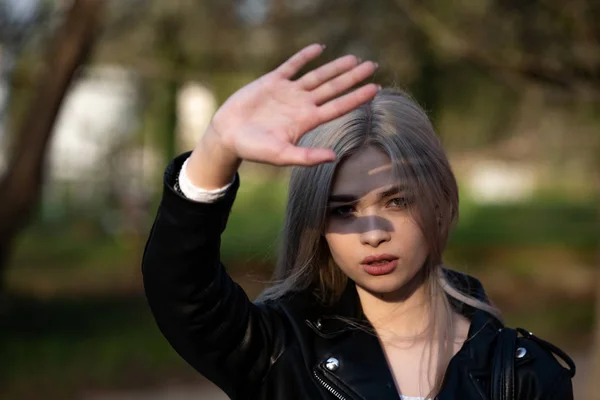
(362, 307)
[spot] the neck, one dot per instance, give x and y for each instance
(400, 314)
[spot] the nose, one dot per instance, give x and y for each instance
(374, 232)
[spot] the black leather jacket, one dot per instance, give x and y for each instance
(296, 348)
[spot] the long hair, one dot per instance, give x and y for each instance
(395, 124)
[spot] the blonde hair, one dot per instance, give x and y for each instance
(395, 124)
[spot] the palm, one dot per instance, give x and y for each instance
(264, 120)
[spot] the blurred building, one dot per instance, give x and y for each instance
(100, 157)
(498, 181)
(196, 105)
(99, 115)
(93, 131)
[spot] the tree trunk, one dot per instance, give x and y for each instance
(21, 185)
(168, 125)
(594, 371)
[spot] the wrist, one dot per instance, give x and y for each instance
(212, 164)
(213, 141)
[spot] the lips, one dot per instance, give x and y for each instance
(380, 258)
(381, 264)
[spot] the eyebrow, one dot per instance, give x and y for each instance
(350, 198)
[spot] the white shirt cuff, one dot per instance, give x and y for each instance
(195, 193)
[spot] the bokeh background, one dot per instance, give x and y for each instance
(96, 96)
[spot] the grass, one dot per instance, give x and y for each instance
(66, 344)
(557, 223)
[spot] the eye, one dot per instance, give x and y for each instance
(399, 202)
(344, 211)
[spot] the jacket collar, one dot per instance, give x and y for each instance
(332, 320)
(362, 373)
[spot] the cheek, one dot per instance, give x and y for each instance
(338, 246)
(409, 236)
(420, 249)
(331, 243)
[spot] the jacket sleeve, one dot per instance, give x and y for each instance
(206, 317)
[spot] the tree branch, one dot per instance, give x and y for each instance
(565, 75)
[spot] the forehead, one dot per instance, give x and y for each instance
(366, 170)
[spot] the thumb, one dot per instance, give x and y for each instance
(294, 155)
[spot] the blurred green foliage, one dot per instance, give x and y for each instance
(60, 346)
(90, 326)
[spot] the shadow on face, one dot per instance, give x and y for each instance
(365, 196)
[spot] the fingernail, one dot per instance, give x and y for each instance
(323, 46)
(379, 87)
(360, 60)
(376, 65)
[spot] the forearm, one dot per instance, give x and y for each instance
(183, 277)
(203, 314)
(183, 250)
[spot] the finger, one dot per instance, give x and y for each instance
(328, 71)
(299, 60)
(294, 155)
(339, 85)
(344, 104)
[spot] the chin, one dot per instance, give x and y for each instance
(386, 286)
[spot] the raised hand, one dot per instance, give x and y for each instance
(264, 120)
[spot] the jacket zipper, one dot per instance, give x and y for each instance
(329, 388)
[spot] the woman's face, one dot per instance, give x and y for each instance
(370, 232)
